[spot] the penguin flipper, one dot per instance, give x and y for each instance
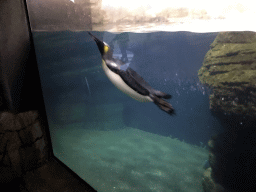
(163, 105)
(133, 83)
(138, 78)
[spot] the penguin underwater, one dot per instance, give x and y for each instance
(130, 82)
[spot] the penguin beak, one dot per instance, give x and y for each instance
(99, 43)
(94, 38)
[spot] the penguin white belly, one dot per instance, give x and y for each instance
(122, 86)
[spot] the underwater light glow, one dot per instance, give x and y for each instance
(197, 16)
(213, 8)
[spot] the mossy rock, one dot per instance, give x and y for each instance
(229, 69)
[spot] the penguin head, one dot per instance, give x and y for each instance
(105, 50)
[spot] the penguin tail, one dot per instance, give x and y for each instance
(163, 105)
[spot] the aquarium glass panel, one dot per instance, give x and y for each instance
(146, 104)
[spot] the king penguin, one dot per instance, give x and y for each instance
(130, 82)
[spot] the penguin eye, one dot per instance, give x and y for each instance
(106, 48)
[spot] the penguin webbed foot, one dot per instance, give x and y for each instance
(163, 105)
(162, 95)
(169, 110)
(167, 96)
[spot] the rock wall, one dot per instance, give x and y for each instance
(229, 69)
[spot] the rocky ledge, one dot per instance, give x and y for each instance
(229, 69)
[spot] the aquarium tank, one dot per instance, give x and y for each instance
(193, 65)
